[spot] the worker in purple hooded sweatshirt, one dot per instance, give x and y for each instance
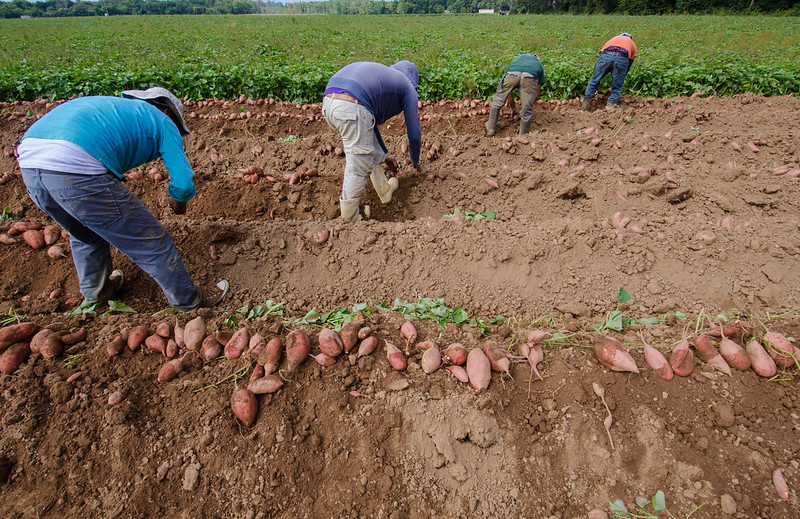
(358, 98)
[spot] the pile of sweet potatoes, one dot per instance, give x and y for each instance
(18, 341)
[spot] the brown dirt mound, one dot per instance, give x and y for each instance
(681, 202)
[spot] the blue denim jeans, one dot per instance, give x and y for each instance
(609, 63)
(98, 211)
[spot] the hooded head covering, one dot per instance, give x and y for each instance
(409, 69)
(161, 98)
(626, 34)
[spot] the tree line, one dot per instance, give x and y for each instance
(54, 8)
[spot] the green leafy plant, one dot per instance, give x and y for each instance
(645, 508)
(472, 216)
(11, 317)
(74, 360)
(334, 318)
(248, 314)
(289, 138)
(614, 319)
(117, 306)
(7, 214)
(86, 307)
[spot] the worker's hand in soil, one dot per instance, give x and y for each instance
(391, 163)
(177, 207)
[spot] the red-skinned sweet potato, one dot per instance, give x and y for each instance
(223, 336)
(762, 363)
(34, 238)
(136, 337)
(395, 357)
(329, 343)
(349, 336)
(13, 357)
(51, 234)
(193, 333)
(324, 360)
(16, 333)
(79, 335)
(459, 372)
(613, 355)
(456, 354)
(117, 345)
(171, 369)
(21, 227)
(265, 385)
(164, 329)
(244, 406)
(780, 349)
(734, 355)
(682, 358)
(210, 348)
(270, 358)
(431, 360)
(156, 343)
(479, 369)
(709, 354)
(367, 346)
(298, 348)
(38, 339)
(364, 332)
(256, 345)
(51, 346)
(237, 344)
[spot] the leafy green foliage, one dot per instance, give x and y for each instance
(645, 508)
(7, 214)
(472, 216)
(11, 317)
(246, 313)
(459, 56)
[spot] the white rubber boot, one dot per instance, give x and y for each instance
(349, 209)
(383, 187)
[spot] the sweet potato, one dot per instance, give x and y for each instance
(16, 333)
(38, 339)
(780, 349)
(194, 333)
(364, 332)
(156, 343)
(237, 344)
(367, 346)
(656, 360)
(136, 337)
(728, 329)
(117, 345)
(210, 348)
(409, 332)
(34, 238)
(459, 372)
(537, 336)
(426, 345)
(244, 405)
(613, 355)
(164, 329)
(456, 354)
(709, 354)
(172, 348)
(258, 372)
(51, 346)
(349, 336)
(5, 239)
(734, 355)
(51, 234)
(762, 363)
(171, 369)
(298, 348)
(682, 358)
(329, 342)
(56, 251)
(21, 227)
(256, 345)
(13, 357)
(178, 333)
(117, 397)
(79, 335)
(396, 358)
(431, 360)
(780, 484)
(498, 358)
(324, 360)
(266, 384)
(270, 358)
(479, 369)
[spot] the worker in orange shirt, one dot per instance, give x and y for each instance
(616, 59)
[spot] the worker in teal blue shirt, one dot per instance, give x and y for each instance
(72, 162)
(526, 74)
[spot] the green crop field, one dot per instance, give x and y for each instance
(459, 56)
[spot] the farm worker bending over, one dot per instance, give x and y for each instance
(616, 58)
(527, 74)
(358, 98)
(72, 161)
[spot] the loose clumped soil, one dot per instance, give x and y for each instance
(675, 200)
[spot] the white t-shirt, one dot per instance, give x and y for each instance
(57, 155)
